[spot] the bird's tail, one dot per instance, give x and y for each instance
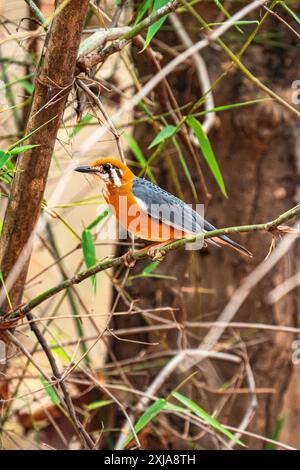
(224, 240)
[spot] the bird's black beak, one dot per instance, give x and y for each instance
(85, 169)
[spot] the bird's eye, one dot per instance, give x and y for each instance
(106, 167)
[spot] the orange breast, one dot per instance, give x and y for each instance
(135, 219)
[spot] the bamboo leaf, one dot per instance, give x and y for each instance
(98, 219)
(176, 408)
(205, 416)
(4, 157)
(27, 86)
(207, 151)
(60, 353)
(185, 167)
(142, 9)
(23, 148)
(164, 134)
(148, 269)
(50, 392)
(276, 433)
(89, 253)
(146, 417)
(156, 26)
(95, 405)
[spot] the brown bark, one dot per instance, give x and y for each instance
(256, 148)
(53, 83)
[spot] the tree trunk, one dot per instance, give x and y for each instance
(54, 80)
(53, 83)
(257, 150)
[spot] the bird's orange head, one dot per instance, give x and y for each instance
(110, 170)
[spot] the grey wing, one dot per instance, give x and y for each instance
(167, 208)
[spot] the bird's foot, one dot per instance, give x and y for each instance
(128, 260)
(155, 254)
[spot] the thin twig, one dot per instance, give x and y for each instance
(117, 13)
(109, 123)
(82, 434)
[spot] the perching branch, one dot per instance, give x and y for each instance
(12, 317)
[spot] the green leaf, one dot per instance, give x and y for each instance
(98, 404)
(185, 167)
(23, 148)
(27, 86)
(59, 352)
(176, 408)
(164, 134)
(142, 9)
(98, 219)
(139, 155)
(148, 269)
(276, 433)
(89, 253)
(50, 392)
(4, 157)
(152, 30)
(205, 416)
(207, 151)
(146, 417)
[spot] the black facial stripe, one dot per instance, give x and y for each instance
(119, 173)
(111, 176)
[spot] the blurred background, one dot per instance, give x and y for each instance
(147, 316)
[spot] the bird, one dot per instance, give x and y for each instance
(147, 211)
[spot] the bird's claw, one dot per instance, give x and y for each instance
(128, 260)
(155, 254)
